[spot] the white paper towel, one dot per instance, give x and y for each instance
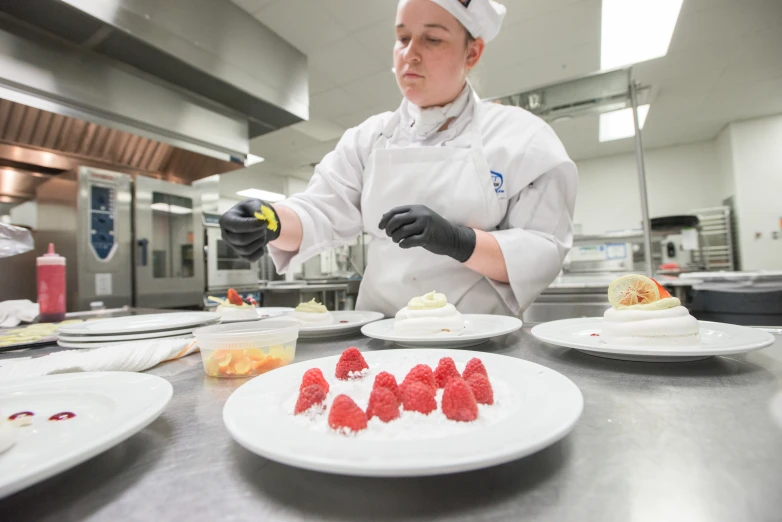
(14, 312)
(133, 356)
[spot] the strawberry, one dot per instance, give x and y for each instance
(314, 376)
(345, 415)
(417, 396)
(446, 369)
(474, 365)
(383, 405)
(481, 388)
(351, 364)
(386, 380)
(234, 298)
(309, 396)
(459, 402)
(420, 373)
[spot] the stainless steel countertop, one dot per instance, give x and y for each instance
(675, 442)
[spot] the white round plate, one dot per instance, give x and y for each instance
(478, 329)
(716, 339)
(354, 321)
(109, 408)
(89, 345)
(117, 338)
(534, 407)
(268, 312)
(141, 323)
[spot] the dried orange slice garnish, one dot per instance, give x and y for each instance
(632, 290)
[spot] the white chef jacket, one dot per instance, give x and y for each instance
(535, 181)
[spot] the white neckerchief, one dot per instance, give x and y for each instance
(427, 122)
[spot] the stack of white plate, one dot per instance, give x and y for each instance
(106, 332)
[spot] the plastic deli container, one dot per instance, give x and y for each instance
(247, 349)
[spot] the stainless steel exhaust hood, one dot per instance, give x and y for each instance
(200, 75)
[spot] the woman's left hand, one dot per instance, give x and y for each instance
(417, 225)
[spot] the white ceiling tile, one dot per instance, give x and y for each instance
(261, 176)
(345, 60)
(378, 40)
(321, 130)
(378, 89)
(252, 6)
(306, 33)
(693, 6)
(280, 142)
(356, 118)
(318, 80)
(722, 23)
(315, 153)
(291, 160)
(691, 61)
(354, 15)
(527, 9)
(533, 73)
(333, 103)
(565, 28)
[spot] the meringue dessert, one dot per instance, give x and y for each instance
(312, 314)
(643, 313)
(235, 308)
(430, 314)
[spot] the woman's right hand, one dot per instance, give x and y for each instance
(247, 234)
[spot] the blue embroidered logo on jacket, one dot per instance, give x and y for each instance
(499, 181)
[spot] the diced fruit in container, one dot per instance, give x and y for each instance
(246, 349)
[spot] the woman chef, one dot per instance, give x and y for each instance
(464, 197)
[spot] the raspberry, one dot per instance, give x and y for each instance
(444, 371)
(383, 405)
(386, 380)
(420, 373)
(350, 364)
(309, 396)
(474, 365)
(234, 298)
(481, 388)
(345, 415)
(417, 396)
(458, 401)
(314, 376)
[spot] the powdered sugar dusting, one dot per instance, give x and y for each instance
(358, 375)
(410, 425)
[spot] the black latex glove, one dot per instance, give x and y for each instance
(247, 234)
(416, 225)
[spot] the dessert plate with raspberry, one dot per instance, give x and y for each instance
(59, 421)
(398, 413)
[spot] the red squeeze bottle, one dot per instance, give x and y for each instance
(51, 286)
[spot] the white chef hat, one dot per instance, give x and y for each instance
(482, 18)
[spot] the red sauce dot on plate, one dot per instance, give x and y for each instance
(344, 322)
(21, 414)
(62, 416)
(594, 335)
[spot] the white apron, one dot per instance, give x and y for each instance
(455, 181)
